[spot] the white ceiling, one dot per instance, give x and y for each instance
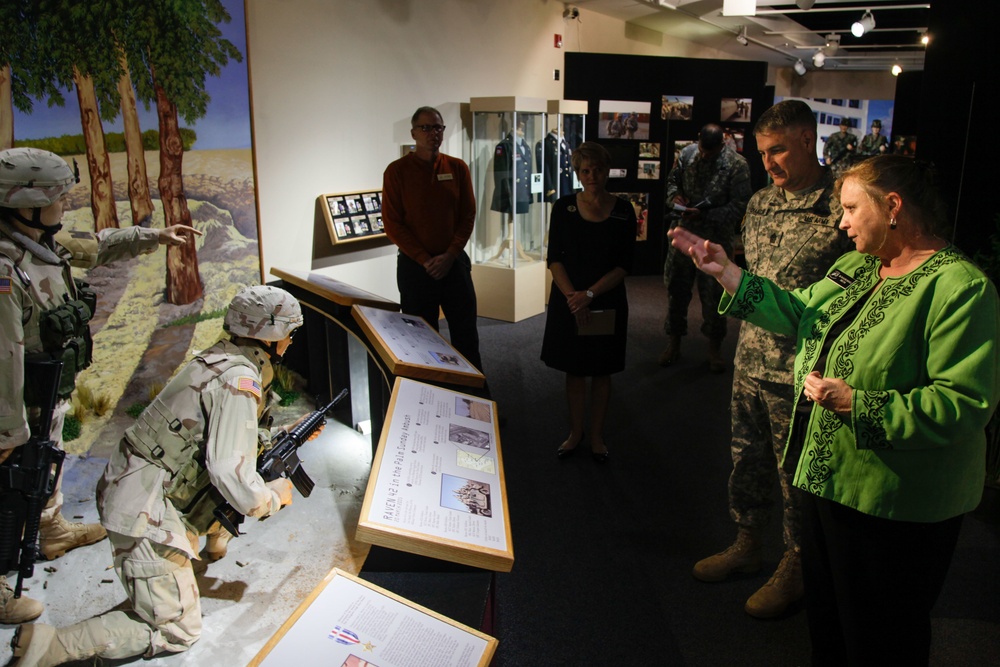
(780, 33)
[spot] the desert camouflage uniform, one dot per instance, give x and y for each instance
(835, 152)
(792, 242)
(725, 183)
(35, 278)
(203, 428)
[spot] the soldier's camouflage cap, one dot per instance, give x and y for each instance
(263, 312)
(33, 178)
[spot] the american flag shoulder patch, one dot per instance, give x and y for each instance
(4, 285)
(248, 384)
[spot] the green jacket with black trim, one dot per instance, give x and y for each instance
(923, 359)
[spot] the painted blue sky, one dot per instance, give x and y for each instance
(225, 125)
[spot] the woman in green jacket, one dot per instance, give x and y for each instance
(896, 377)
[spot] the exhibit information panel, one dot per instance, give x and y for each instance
(412, 348)
(348, 622)
(437, 484)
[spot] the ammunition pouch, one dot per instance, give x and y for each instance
(65, 335)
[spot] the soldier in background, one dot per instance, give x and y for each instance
(44, 314)
(193, 447)
(713, 182)
(839, 150)
(790, 236)
(875, 143)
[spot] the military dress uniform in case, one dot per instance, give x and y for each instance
(558, 168)
(791, 242)
(200, 432)
(511, 176)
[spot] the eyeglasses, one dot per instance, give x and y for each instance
(429, 128)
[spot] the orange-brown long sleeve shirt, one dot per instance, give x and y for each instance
(428, 208)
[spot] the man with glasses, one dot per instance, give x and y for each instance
(428, 211)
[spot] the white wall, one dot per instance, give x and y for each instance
(333, 86)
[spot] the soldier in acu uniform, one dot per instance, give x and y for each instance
(193, 447)
(839, 150)
(44, 315)
(791, 236)
(875, 143)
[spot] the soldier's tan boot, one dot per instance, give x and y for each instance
(17, 610)
(217, 544)
(783, 589)
(57, 536)
(41, 645)
(715, 362)
(742, 556)
(672, 352)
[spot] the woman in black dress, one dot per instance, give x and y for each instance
(591, 238)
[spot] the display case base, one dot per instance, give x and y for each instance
(509, 294)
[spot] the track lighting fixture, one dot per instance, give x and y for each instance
(819, 59)
(865, 24)
(799, 67)
(896, 69)
(741, 37)
(804, 4)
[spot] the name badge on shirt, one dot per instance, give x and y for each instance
(840, 278)
(445, 177)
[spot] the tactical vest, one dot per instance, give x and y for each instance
(176, 442)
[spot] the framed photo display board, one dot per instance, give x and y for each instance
(349, 622)
(437, 485)
(412, 348)
(352, 216)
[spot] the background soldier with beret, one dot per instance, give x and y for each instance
(37, 290)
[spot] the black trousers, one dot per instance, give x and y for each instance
(870, 583)
(419, 294)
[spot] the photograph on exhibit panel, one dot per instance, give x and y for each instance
(676, 107)
(465, 495)
(467, 436)
(371, 202)
(680, 145)
(735, 109)
(466, 407)
(649, 149)
(649, 170)
(733, 138)
(375, 220)
(619, 119)
(360, 223)
(640, 203)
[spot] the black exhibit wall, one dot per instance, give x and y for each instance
(597, 76)
(958, 100)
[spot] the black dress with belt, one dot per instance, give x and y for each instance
(588, 250)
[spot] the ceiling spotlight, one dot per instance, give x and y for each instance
(741, 37)
(804, 4)
(896, 69)
(799, 67)
(865, 24)
(925, 39)
(832, 44)
(819, 59)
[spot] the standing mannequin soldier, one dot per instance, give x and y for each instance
(875, 143)
(193, 447)
(44, 314)
(839, 149)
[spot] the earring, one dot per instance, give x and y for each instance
(892, 223)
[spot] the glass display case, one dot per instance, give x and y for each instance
(507, 246)
(565, 122)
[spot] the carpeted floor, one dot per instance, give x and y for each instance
(603, 554)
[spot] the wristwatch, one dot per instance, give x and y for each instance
(590, 295)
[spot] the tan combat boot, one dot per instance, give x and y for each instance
(784, 588)
(217, 544)
(41, 645)
(743, 556)
(672, 352)
(57, 536)
(17, 610)
(715, 362)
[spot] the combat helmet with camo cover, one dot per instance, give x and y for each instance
(264, 313)
(33, 178)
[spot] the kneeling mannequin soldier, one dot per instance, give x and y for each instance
(194, 446)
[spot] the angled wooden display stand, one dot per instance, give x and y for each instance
(352, 216)
(333, 290)
(412, 348)
(347, 622)
(437, 485)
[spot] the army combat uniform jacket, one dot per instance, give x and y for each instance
(34, 279)
(791, 242)
(199, 434)
(723, 182)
